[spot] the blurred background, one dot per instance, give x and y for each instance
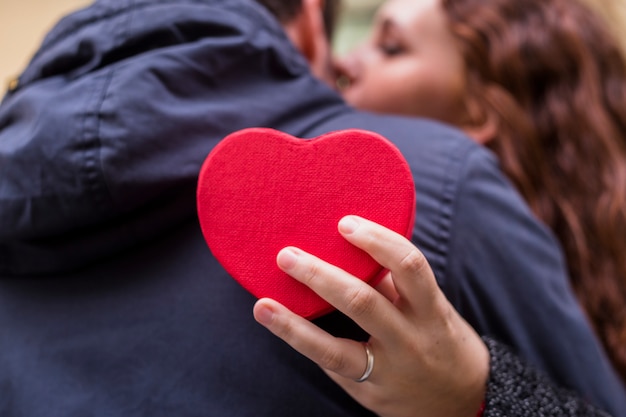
(354, 23)
(24, 23)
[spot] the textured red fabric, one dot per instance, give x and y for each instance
(260, 190)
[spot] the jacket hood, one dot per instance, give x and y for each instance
(102, 140)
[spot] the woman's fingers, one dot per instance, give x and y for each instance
(343, 357)
(420, 346)
(412, 277)
(348, 294)
(387, 288)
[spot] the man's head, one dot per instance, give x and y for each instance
(310, 25)
(287, 10)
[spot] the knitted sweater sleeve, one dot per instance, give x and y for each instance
(516, 390)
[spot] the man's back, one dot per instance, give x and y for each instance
(110, 301)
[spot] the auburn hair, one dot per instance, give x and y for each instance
(556, 80)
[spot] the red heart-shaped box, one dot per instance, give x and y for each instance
(261, 190)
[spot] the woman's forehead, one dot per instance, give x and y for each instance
(413, 15)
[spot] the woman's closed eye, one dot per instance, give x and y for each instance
(391, 48)
(389, 42)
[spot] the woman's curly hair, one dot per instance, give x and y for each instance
(556, 80)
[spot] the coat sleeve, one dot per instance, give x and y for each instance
(511, 282)
(515, 389)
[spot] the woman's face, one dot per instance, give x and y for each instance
(410, 65)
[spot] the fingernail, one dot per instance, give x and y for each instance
(264, 315)
(287, 258)
(348, 225)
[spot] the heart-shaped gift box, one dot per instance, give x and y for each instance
(261, 190)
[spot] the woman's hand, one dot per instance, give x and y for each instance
(427, 360)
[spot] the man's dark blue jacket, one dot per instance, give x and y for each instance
(111, 303)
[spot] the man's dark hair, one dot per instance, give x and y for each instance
(285, 10)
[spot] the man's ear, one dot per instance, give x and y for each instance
(307, 32)
(481, 123)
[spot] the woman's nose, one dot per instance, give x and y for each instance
(346, 71)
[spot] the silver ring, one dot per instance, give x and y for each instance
(370, 363)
